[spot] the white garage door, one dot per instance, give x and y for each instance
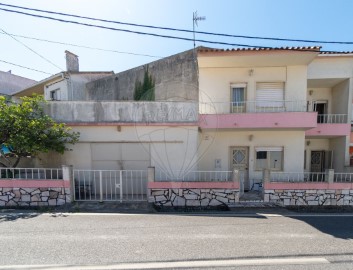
(120, 156)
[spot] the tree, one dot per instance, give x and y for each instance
(145, 90)
(27, 131)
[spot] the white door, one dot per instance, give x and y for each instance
(239, 157)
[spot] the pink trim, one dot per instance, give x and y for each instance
(302, 120)
(308, 186)
(224, 185)
(172, 124)
(329, 130)
(34, 183)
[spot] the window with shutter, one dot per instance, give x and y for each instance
(270, 94)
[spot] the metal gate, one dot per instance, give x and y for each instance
(110, 185)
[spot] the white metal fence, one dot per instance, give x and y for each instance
(258, 106)
(343, 177)
(193, 176)
(332, 118)
(31, 173)
(297, 176)
(110, 185)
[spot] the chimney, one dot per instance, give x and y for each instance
(71, 61)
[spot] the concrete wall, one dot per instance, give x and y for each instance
(175, 79)
(215, 83)
(291, 141)
(340, 147)
(340, 98)
(123, 112)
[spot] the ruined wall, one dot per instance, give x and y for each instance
(175, 78)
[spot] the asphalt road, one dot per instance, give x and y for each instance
(220, 241)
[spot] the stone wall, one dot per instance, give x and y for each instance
(34, 196)
(182, 197)
(310, 197)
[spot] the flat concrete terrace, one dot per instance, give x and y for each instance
(123, 111)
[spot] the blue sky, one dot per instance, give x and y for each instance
(300, 19)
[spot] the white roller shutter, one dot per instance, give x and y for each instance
(270, 94)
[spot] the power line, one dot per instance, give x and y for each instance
(141, 33)
(47, 60)
(83, 46)
(25, 67)
(180, 30)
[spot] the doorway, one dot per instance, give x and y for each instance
(239, 157)
(321, 108)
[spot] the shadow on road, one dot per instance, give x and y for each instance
(335, 225)
(16, 216)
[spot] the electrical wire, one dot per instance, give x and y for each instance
(148, 34)
(25, 67)
(179, 30)
(47, 60)
(83, 46)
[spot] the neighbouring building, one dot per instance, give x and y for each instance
(11, 83)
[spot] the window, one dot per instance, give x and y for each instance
(270, 94)
(55, 94)
(269, 158)
(238, 98)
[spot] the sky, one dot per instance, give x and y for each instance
(329, 20)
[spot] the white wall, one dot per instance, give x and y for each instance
(291, 141)
(320, 94)
(215, 83)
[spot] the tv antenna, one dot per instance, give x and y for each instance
(195, 19)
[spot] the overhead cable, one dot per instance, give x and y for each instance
(179, 30)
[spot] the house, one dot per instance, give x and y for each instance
(11, 83)
(251, 115)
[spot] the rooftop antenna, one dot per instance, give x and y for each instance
(195, 19)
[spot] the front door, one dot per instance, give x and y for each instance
(317, 161)
(239, 157)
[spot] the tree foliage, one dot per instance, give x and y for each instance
(28, 131)
(145, 90)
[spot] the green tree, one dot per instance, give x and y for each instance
(145, 90)
(27, 131)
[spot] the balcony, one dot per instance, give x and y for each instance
(258, 106)
(260, 114)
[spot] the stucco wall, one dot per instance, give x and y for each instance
(320, 94)
(215, 83)
(340, 97)
(292, 141)
(10, 83)
(175, 79)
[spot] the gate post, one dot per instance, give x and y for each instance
(151, 175)
(121, 185)
(236, 179)
(266, 176)
(100, 187)
(69, 177)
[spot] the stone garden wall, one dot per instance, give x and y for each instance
(304, 194)
(188, 194)
(34, 196)
(34, 193)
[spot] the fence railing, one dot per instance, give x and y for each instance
(332, 118)
(297, 176)
(258, 106)
(343, 177)
(31, 173)
(194, 176)
(110, 185)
